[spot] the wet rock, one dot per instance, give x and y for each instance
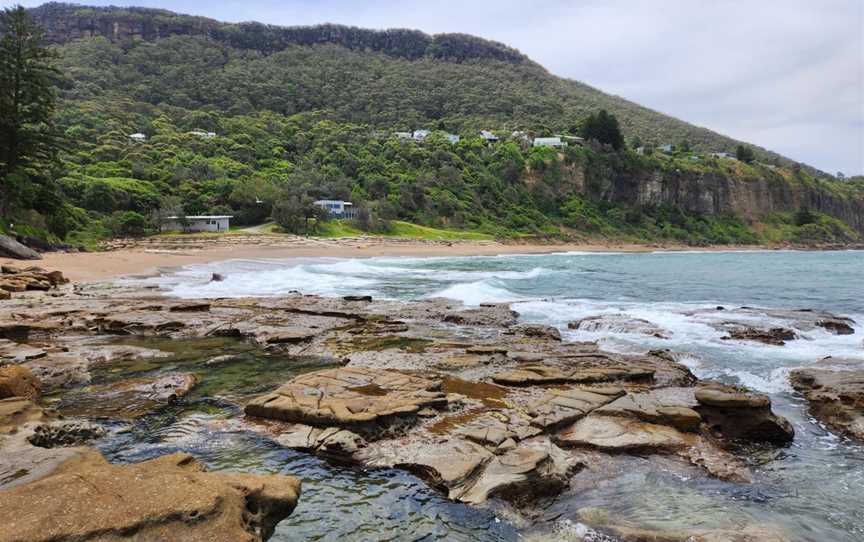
(59, 370)
(492, 315)
(169, 498)
(139, 322)
(521, 475)
(775, 336)
(217, 277)
(64, 433)
(128, 399)
(10, 248)
(18, 381)
(538, 331)
(619, 323)
(837, 325)
(367, 401)
(365, 298)
(561, 407)
(835, 397)
(118, 352)
(4, 295)
(486, 350)
(331, 441)
(18, 353)
(17, 411)
(190, 306)
(736, 414)
(652, 408)
(528, 375)
(616, 434)
(291, 336)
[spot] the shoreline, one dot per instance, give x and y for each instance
(98, 266)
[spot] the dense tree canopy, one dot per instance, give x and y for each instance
(27, 101)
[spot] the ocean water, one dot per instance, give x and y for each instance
(812, 490)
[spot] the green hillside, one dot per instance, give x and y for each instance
(393, 79)
(259, 121)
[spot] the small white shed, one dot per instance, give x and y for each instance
(196, 223)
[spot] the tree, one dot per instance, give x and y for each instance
(804, 216)
(745, 154)
(603, 127)
(684, 146)
(28, 139)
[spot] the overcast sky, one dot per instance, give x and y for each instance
(784, 74)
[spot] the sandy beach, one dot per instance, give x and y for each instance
(96, 266)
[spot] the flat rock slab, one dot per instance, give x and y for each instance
(169, 498)
(835, 397)
(354, 398)
(616, 434)
(561, 407)
(651, 407)
(537, 374)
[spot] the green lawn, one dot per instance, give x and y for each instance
(342, 228)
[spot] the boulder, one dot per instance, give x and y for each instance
(329, 441)
(366, 401)
(169, 498)
(835, 397)
(735, 414)
(11, 248)
(837, 325)
(776, 336)
(18, 381)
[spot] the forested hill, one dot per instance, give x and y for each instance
(393, 79)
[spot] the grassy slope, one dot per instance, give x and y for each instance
(399, 229)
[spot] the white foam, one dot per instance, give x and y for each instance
(475, 293)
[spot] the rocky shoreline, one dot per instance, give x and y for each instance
(480, 406)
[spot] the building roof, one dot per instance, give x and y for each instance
(198, 217)
(547, 140)
(321, 201)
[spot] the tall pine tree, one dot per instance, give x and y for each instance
(28, 140)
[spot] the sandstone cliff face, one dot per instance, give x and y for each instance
(712, 194)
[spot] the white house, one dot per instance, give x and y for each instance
(723, 155)
(403, 135)
(573, 139)
(667, 148)
(488, 136)
(420, 135)
(453, 138)
(202, 134)
(138, 137)
(337, 208)
(196, 223)
(549, 142)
